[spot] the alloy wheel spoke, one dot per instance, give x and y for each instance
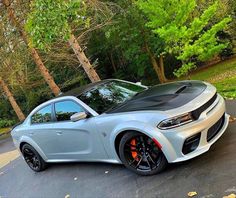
(30, 158)
(34, 162)
(135, 159)
(27, 160)
(149, 164)
(149, 156)
(28, 152)
(139, 162)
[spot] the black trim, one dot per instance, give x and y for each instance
(54, 119)
(191, 143)
(197, 112)
(214, 130)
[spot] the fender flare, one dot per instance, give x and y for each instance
(28, 140)
(125, 126)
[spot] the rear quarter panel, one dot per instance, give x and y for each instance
(21, 134)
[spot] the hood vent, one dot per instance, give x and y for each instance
(181, 89)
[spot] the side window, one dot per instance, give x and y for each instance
(44, 115)
(65, 109)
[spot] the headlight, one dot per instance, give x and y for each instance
(175, 121)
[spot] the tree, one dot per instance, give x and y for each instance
(43, 70)
(56, 22)
(189, 39)
(131, 48)
(12, 100)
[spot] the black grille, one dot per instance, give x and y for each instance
(191, 143)
(213, 131)
(197, 112)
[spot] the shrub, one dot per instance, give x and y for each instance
(7, 123)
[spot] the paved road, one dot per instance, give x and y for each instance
(211, 175)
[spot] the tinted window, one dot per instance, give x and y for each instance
(65, 109)
(110, 94)
(42, 116)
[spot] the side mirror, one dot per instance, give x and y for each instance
(78, 116)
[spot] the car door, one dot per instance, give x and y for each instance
(41, 128)
(74, 140)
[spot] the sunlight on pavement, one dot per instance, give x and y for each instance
(6, 158)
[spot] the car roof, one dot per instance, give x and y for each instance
(78, 91)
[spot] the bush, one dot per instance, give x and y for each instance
(6, 123)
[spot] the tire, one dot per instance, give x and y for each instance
(144, 157)
(33, 159)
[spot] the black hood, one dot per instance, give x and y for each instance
(162, 97)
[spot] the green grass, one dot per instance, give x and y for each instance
(222, 75)
(4, 130)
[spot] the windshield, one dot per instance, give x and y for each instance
(110, 94)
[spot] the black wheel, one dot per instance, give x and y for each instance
(33, 159)
(140, 154)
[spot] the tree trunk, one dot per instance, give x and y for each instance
(88, 68)
(155, 65)
(43, 70)
(45, 73)
(161, 63)
(112, 61)
(12, 100)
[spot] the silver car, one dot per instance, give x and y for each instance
(116, 121)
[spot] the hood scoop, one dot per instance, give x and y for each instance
(182, 88)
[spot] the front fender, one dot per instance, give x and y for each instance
(125, 126)
(146, 129)
(30, 141)
(167, 147)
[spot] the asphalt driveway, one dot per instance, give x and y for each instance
(210, 175)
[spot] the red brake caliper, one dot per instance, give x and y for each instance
(133, 153)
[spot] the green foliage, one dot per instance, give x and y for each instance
(184, 69)
(7, 123)
(189, 39)
(129, 36)
(50, 20)
(124, 42)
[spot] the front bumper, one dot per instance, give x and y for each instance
(175, 138)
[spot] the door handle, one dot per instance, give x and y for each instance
(58, 132)
(31, 133)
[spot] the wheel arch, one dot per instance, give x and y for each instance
(27, 140)
(119, 137)
(150, 131)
